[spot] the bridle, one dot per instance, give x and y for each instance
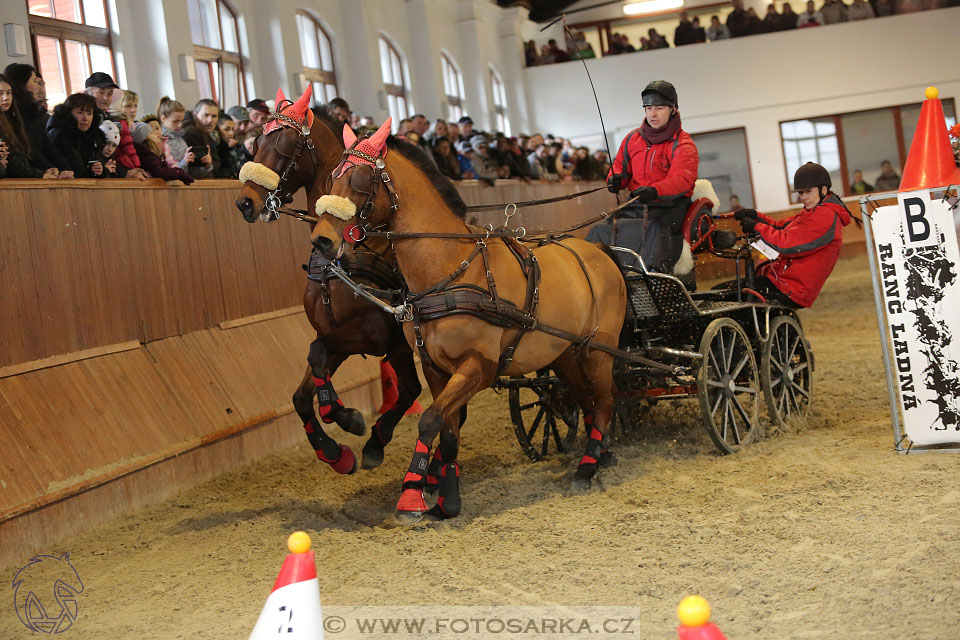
(367, 184)
(277, 198)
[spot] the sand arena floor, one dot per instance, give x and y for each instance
(821, 532)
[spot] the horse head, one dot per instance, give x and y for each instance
(360, 196)
(291, 153)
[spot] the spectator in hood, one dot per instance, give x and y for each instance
(111, 135)
(29, 98)
(483, 164)
(74, 129)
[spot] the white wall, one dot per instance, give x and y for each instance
(757, 82)
(14, 13)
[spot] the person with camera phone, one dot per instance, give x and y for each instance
(199, 136)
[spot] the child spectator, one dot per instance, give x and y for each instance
(17, 144)
(243, 153)
(176, 152)
(149, 145)
(128, 107)
(111, 135)
(74, 129)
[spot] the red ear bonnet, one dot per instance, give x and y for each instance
(374, 146)
(296, 111)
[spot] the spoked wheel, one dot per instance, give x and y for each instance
(786, 371)
(545, 418)
(728, 386)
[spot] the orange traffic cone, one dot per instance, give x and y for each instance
(388, 384)
(694, 614)
(293, 606)
(930, 163)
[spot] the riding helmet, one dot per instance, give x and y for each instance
(659, 93)
(811, 175)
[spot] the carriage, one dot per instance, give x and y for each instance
(726, 347)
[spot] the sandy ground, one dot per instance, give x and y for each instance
(820, 532)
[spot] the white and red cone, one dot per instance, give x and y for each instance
(292, 610)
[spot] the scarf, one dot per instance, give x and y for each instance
(659, 136)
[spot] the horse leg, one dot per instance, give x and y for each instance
(408, 390)
(470, 377)
(339, 457)
(591, 384)
(323, 365)
(433, 471)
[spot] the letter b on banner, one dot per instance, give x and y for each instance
(918, 227)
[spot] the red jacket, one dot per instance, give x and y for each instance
(809, 245)
(125, 153)
(670, 167)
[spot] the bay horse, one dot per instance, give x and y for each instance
(389, 184)
(299, 149)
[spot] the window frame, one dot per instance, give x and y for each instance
(221, 57)
(746, 149)
(396, 90)
(67, 30)
(454, 102)
(314, 75)
(896, 111)
(499, 110)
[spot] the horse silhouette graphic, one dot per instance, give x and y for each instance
(32, 587)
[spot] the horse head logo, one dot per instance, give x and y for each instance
(32, 589)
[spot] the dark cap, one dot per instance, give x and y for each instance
(258, 104)
(811, 175)
(101, 80)
(465, 120)
(659, 93)
(239, 113)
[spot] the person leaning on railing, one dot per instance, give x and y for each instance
(30, 98)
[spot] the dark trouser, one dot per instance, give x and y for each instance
(658, 238)
(768, 290)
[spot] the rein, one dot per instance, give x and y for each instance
(531, 203)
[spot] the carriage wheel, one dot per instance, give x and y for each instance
(543, 413)
(728, 386)
(786, 371)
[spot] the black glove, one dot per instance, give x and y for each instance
(614, 181)
(645, 194)
(743, 214)
(748, 224)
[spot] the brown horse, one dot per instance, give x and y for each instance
(299, 149)
(581, 292)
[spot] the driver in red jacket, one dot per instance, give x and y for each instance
(657, 162)
(808, 242)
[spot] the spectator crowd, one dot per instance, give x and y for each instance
(84, 137)
(740, 22)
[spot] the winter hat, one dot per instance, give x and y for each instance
(477, 140)
(140, 132)
(111, 131)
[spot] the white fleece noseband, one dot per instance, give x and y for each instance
(259, 174)
(337, 206)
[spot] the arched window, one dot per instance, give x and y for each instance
(216, 51)
(452, 87)
(71, 40)
(395, 83)
(500, 118)
(317, 56)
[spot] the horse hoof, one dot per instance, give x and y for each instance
(411, 506)
(609, 459)
(579, 484)
(372, 457)
(436, 514)
(346, 464)
(351, 421)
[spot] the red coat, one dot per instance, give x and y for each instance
(125, 154)
(809, 245)
(670, 167)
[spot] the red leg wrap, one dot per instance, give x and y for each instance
(345, 463)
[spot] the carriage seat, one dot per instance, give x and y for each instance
(696, 222)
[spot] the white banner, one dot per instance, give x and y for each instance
(919, 265)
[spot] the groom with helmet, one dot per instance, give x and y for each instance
(808, 243)
(658, 163)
